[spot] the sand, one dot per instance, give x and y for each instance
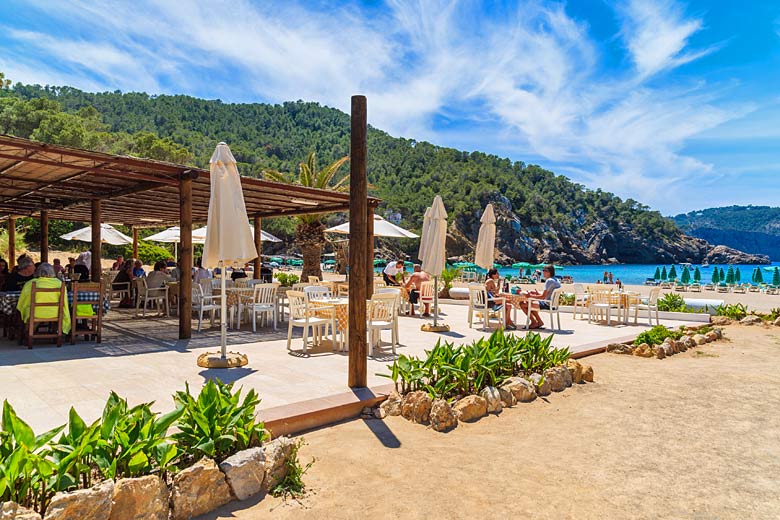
(696, 435)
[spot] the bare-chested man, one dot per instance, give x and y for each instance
(414, 286)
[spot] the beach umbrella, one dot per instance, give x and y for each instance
(685, 278)
(199, 235)
(758, 276)
(730, 276)
(434, 257)
(108, 235)
(382, 228)
(425, 226)
(485, 252)
(715, 276)
(737, 275)
(776, 277)
(276, 259)
(329, 262)
(672, 273)
(229, 239)
(697, 275)
(497, 266)
(378, 262)
(722, 275)
(657, 275)
(664, 276)
(528, 271)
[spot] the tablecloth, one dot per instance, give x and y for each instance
(8, 300)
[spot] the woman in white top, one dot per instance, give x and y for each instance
(200, 273)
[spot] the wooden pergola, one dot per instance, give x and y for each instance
(58, 182)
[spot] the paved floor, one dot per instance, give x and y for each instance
(142, 360)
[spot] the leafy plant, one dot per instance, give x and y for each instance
(148, 253)
(292, 484)
(735, 311)
(217, 422)
(448, 276)
(286, 279)
(657, 335)
(672, 302)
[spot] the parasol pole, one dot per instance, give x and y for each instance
(435, 301)
(223, 311)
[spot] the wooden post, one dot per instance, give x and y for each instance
(44, 236)
(96, 269)
(11, 242)
(185, 233)
(135, 243)
(370, 252)
(358, 247)
(258, 246)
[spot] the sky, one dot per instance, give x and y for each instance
(674, 104)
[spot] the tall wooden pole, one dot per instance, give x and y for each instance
(370, 252)
(96, 268)
(135, 243)
(259, 246)
(44, 236)
(358, 247)
(11, 242)
(185, 233)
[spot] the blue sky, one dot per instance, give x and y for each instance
(675, 104)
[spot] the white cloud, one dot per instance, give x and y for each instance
(530, 76)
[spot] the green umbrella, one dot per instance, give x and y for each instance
(730, 276)
(558, 267)
(737, 275)
(758, 276)
(528, 271)
(697, 275)
(715, 277)
(664, 276)
(407, 263)
(329, 262)
(657, 275)
(497, 266)
(722, 275)
(686, 276)
(378, 262)
(276, 259)
(776, 277)
(672, 273)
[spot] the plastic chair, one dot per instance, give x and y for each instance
(383, 315)
(602, 301)
(426, 294)
(554, 306)
(263, 302)
(202, 302)
(146, 295)
(580, 299)
(650, 306)
(479, 306)
(302, 316)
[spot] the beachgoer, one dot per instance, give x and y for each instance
(414, 286)
(606, 276)
(610, 277)
(550, 285)
(391, 270)
(494, 291)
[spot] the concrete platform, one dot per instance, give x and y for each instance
(142, 360)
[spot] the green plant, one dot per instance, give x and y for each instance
(448, 276)
(287, 280)
(567, 298)
(148, 253)
(657, 335)
(735, 311)
(672, 302)
(217, 422)
(292, 484)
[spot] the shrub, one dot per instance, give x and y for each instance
(735, 311)
(287, 280)
(672, 303)
(148, 253)
(657, 335)
(217, 423)
(448, 371)
(292, 484)
(567, 299)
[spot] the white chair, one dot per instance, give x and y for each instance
(300, 286)
(146, 295)
(383, 315)
(317, 292)
(263, 302)
(302, 316)
(554, 306)
(580, 299)
(393, 290)
(426, 295)
(479, 307)
(650, 306)
(314, 279)
(202, 302)
(601, 301)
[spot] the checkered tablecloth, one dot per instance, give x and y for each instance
(8, 300)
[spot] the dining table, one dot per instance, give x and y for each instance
(9, 300)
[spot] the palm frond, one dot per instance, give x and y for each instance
(273, 175)
(325, 176)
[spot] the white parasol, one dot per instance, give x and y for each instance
(108, 235)
(229, 239)
(382, 228)
(484, 255)
(199, 235)
(432, 245)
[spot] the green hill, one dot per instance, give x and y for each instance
(541, 216)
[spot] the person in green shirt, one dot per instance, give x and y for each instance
(44, 279)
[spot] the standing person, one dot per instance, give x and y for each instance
(390, 272)
(120, 261)
(550, 285)
(606, 276)
(610, 277)
(494, 291)
(414, 286)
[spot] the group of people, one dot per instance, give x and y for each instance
(24, 271)
(610, 279)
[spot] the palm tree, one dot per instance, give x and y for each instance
(310, 231)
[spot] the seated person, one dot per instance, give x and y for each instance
(414, 286)
(81, 273)
(235, 274)
(494, 291)
(391, 270)
(200, 273)
(176, 272)
(170, 263)
(70, 267)
(123, 277)
(45, 279)
(23, 273)
(550, 285)
(3, 272)
(120, 261)
(57, 267)
(138, 269)
(158, 277)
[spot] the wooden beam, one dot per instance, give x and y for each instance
(259, 246)
(96, 269)
(135, 242)
(185, 232)
(44, 219)
(358, 248)
(370, 251)
(11, 242)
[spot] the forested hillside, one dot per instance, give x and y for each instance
(755, 229)
(541, 216)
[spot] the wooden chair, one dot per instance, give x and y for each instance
(38, 312)
(479, 307)
(383, 315)
(82, 310)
